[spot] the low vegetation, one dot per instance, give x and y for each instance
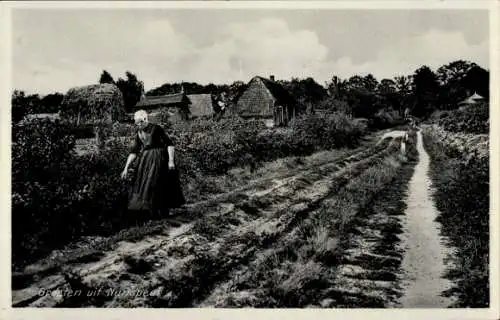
(278, 244)
(473, 119)
(460, 173)
(53, 202)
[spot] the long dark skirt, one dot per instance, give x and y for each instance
(155, 187)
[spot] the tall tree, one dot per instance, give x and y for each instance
(388, 98)
(106, 77)
(425, 87)
(132, 90)
(370, 83)
(356, 82)
(361, 95)
(386, 86)
(454, 71)
(403, 84)
(19, 109)
(307, 91)
(337, 87)
(477, 80)
(451, 79)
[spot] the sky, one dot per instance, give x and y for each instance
(56, 49)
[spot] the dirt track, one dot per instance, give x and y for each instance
(258, 246)
(424, 249)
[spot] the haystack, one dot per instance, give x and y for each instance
(98, 103)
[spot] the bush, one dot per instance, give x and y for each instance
(461, 183)
(472, 119)
(328, 131)
(386, 118)
(52, 201)
(120, 129)
(42, 191)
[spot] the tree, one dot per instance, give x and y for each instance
(388, 97)
(132, 90)
(19, 109)
(361, 95)
(477, 80)
(106, 78)
(453, 72)
(306, 91)
(234, 91)
(403, 84)
(386, 86)
(425, 87)
(337, 87)
(51, 102)
(356, 82)
(370, 83)
(451, 79)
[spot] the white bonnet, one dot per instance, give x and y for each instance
(141, 115)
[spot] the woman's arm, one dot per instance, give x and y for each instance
(171, 154)
(132, 155)
(169, 144)
(130, 160)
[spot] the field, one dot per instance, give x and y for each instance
(320, 223)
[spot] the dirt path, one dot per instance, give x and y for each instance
(424, 257)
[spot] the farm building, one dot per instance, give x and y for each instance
(98, 103)
(180, 106)
(267, 100)
(177, 105)
(473, 99)
(201, 105)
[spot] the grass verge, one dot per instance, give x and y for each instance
(462, 197)
(300, 268)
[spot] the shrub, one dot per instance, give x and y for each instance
(328, 131)
(42, 191)
(472, 119)
(386, 118)
(120, 129)
(57, 195)
(461, 183)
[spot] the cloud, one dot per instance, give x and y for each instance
(264, 47)
(434, 49)
(49, 57)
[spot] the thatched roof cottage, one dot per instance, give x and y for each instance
(97, 103)
(473, 99)
(179, 106)
(266, 99)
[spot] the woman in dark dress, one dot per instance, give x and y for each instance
(156, 186)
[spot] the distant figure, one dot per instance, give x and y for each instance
(403, 143)
(156, 186)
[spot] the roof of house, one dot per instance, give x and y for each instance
(155, 101)
(201, 105)
(472, 99)
(279, 93)
(249, 100)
